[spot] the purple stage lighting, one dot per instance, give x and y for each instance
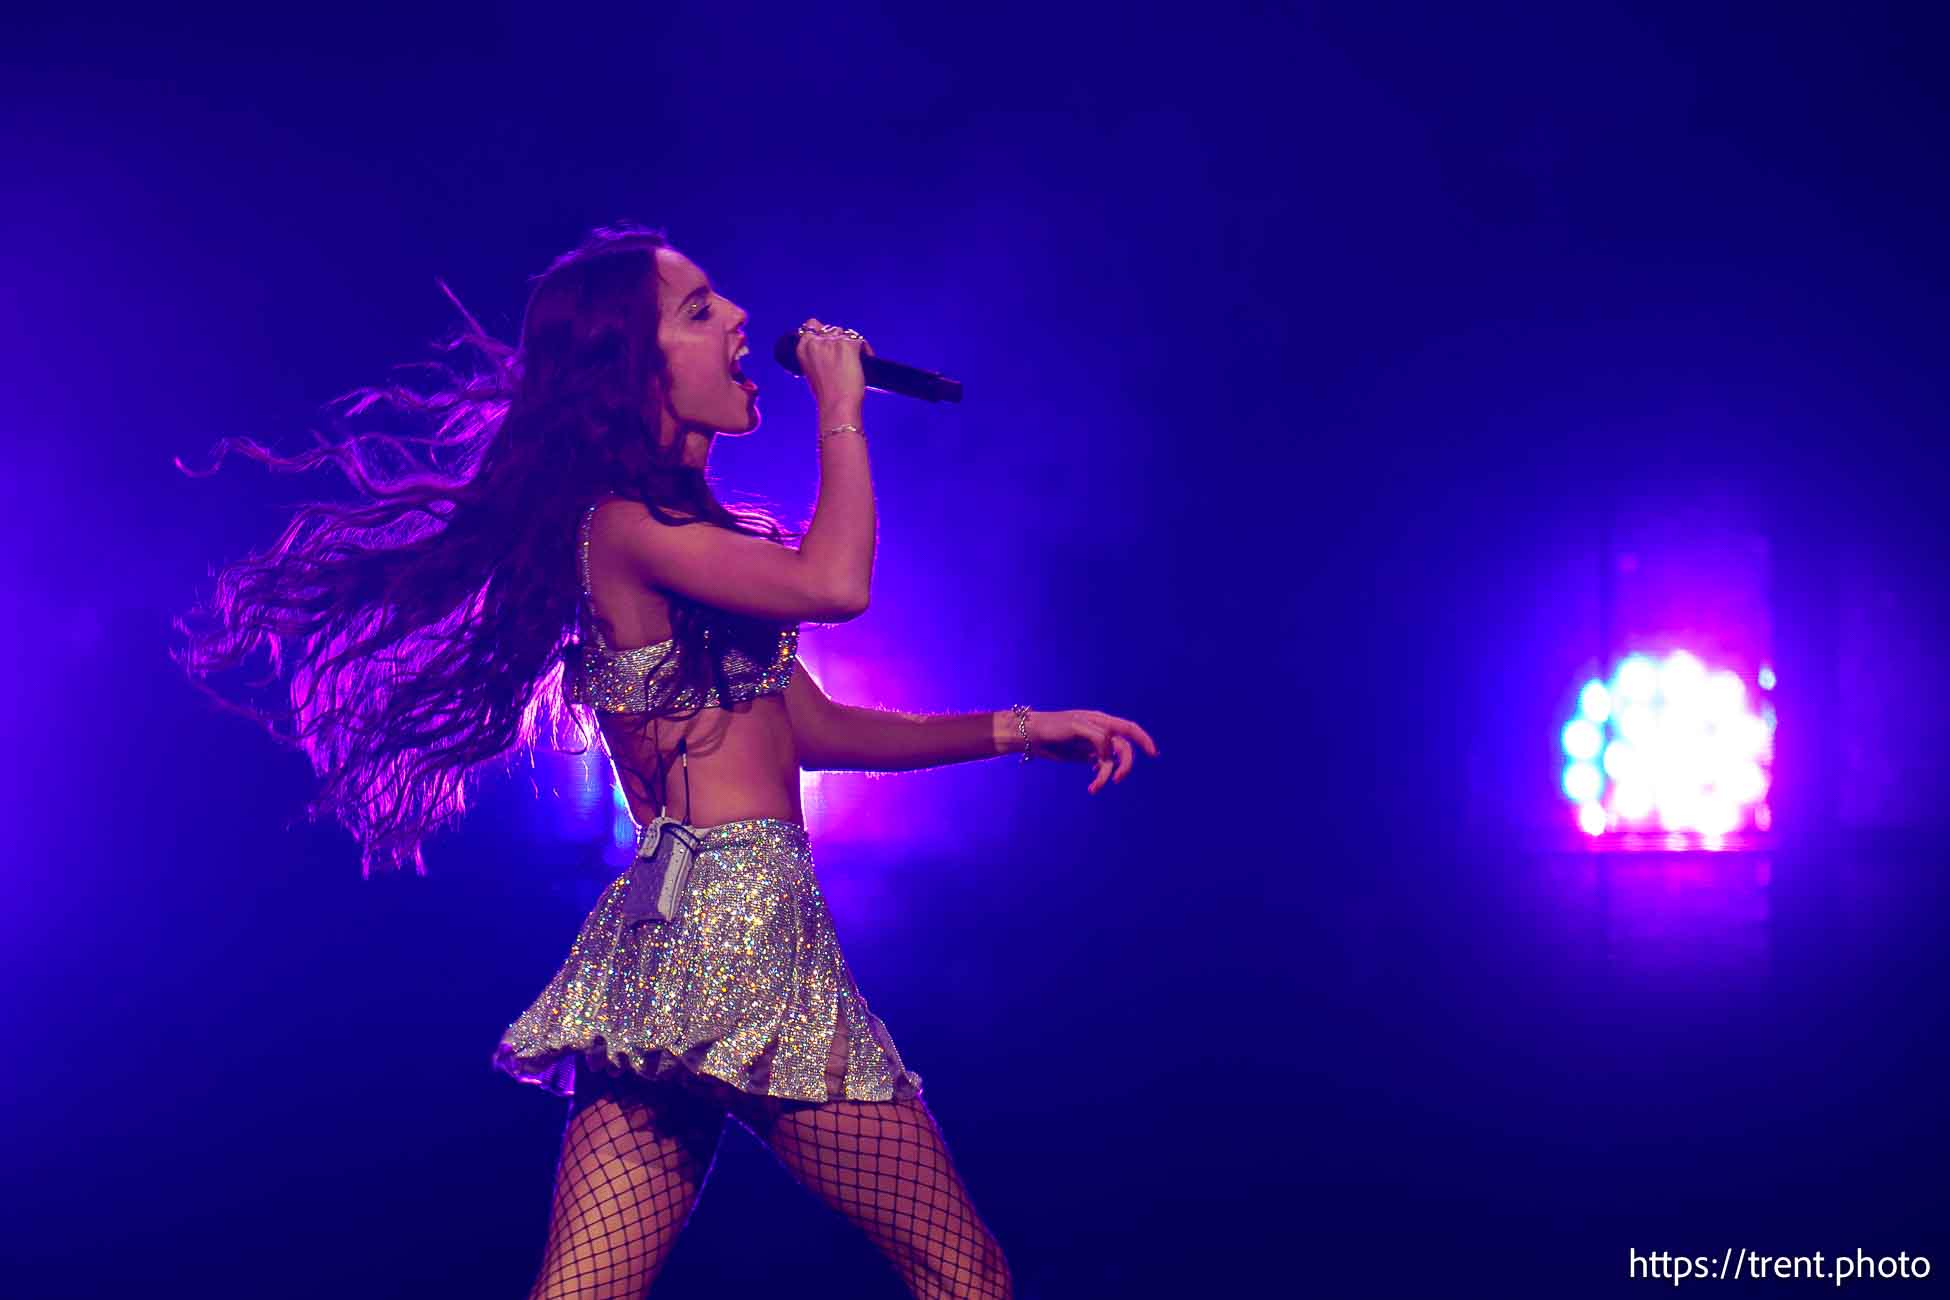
(1670, 745)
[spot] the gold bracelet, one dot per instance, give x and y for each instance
(840, 428)
(1022, 726)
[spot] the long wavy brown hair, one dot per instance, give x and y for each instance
(425, 627)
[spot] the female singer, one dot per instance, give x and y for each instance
(559, 557)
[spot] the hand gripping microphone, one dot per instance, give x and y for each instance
(883, 376)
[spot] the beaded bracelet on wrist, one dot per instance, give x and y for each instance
(1022, 727)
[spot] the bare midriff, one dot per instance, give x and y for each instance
(743, 763)
(741, 758)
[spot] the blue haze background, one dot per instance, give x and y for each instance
(1307, 349)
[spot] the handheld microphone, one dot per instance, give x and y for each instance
(884, 376)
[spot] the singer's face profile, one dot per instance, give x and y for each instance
(699, 332)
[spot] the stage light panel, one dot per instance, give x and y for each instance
(1670, 741)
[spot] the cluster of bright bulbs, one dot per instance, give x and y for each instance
(1668, 744)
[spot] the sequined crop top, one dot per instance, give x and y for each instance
(648, 678)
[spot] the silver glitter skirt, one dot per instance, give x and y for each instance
(746, 987)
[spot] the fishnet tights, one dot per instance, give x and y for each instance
(636, 1153)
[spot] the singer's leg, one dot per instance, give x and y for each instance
(635, 1155)
(884, 1165)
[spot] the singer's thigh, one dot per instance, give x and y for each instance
(886, 1167)
(635, 1155)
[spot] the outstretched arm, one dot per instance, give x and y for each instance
(834, 737)
(846, 738)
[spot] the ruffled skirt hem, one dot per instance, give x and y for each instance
(555, 1071)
